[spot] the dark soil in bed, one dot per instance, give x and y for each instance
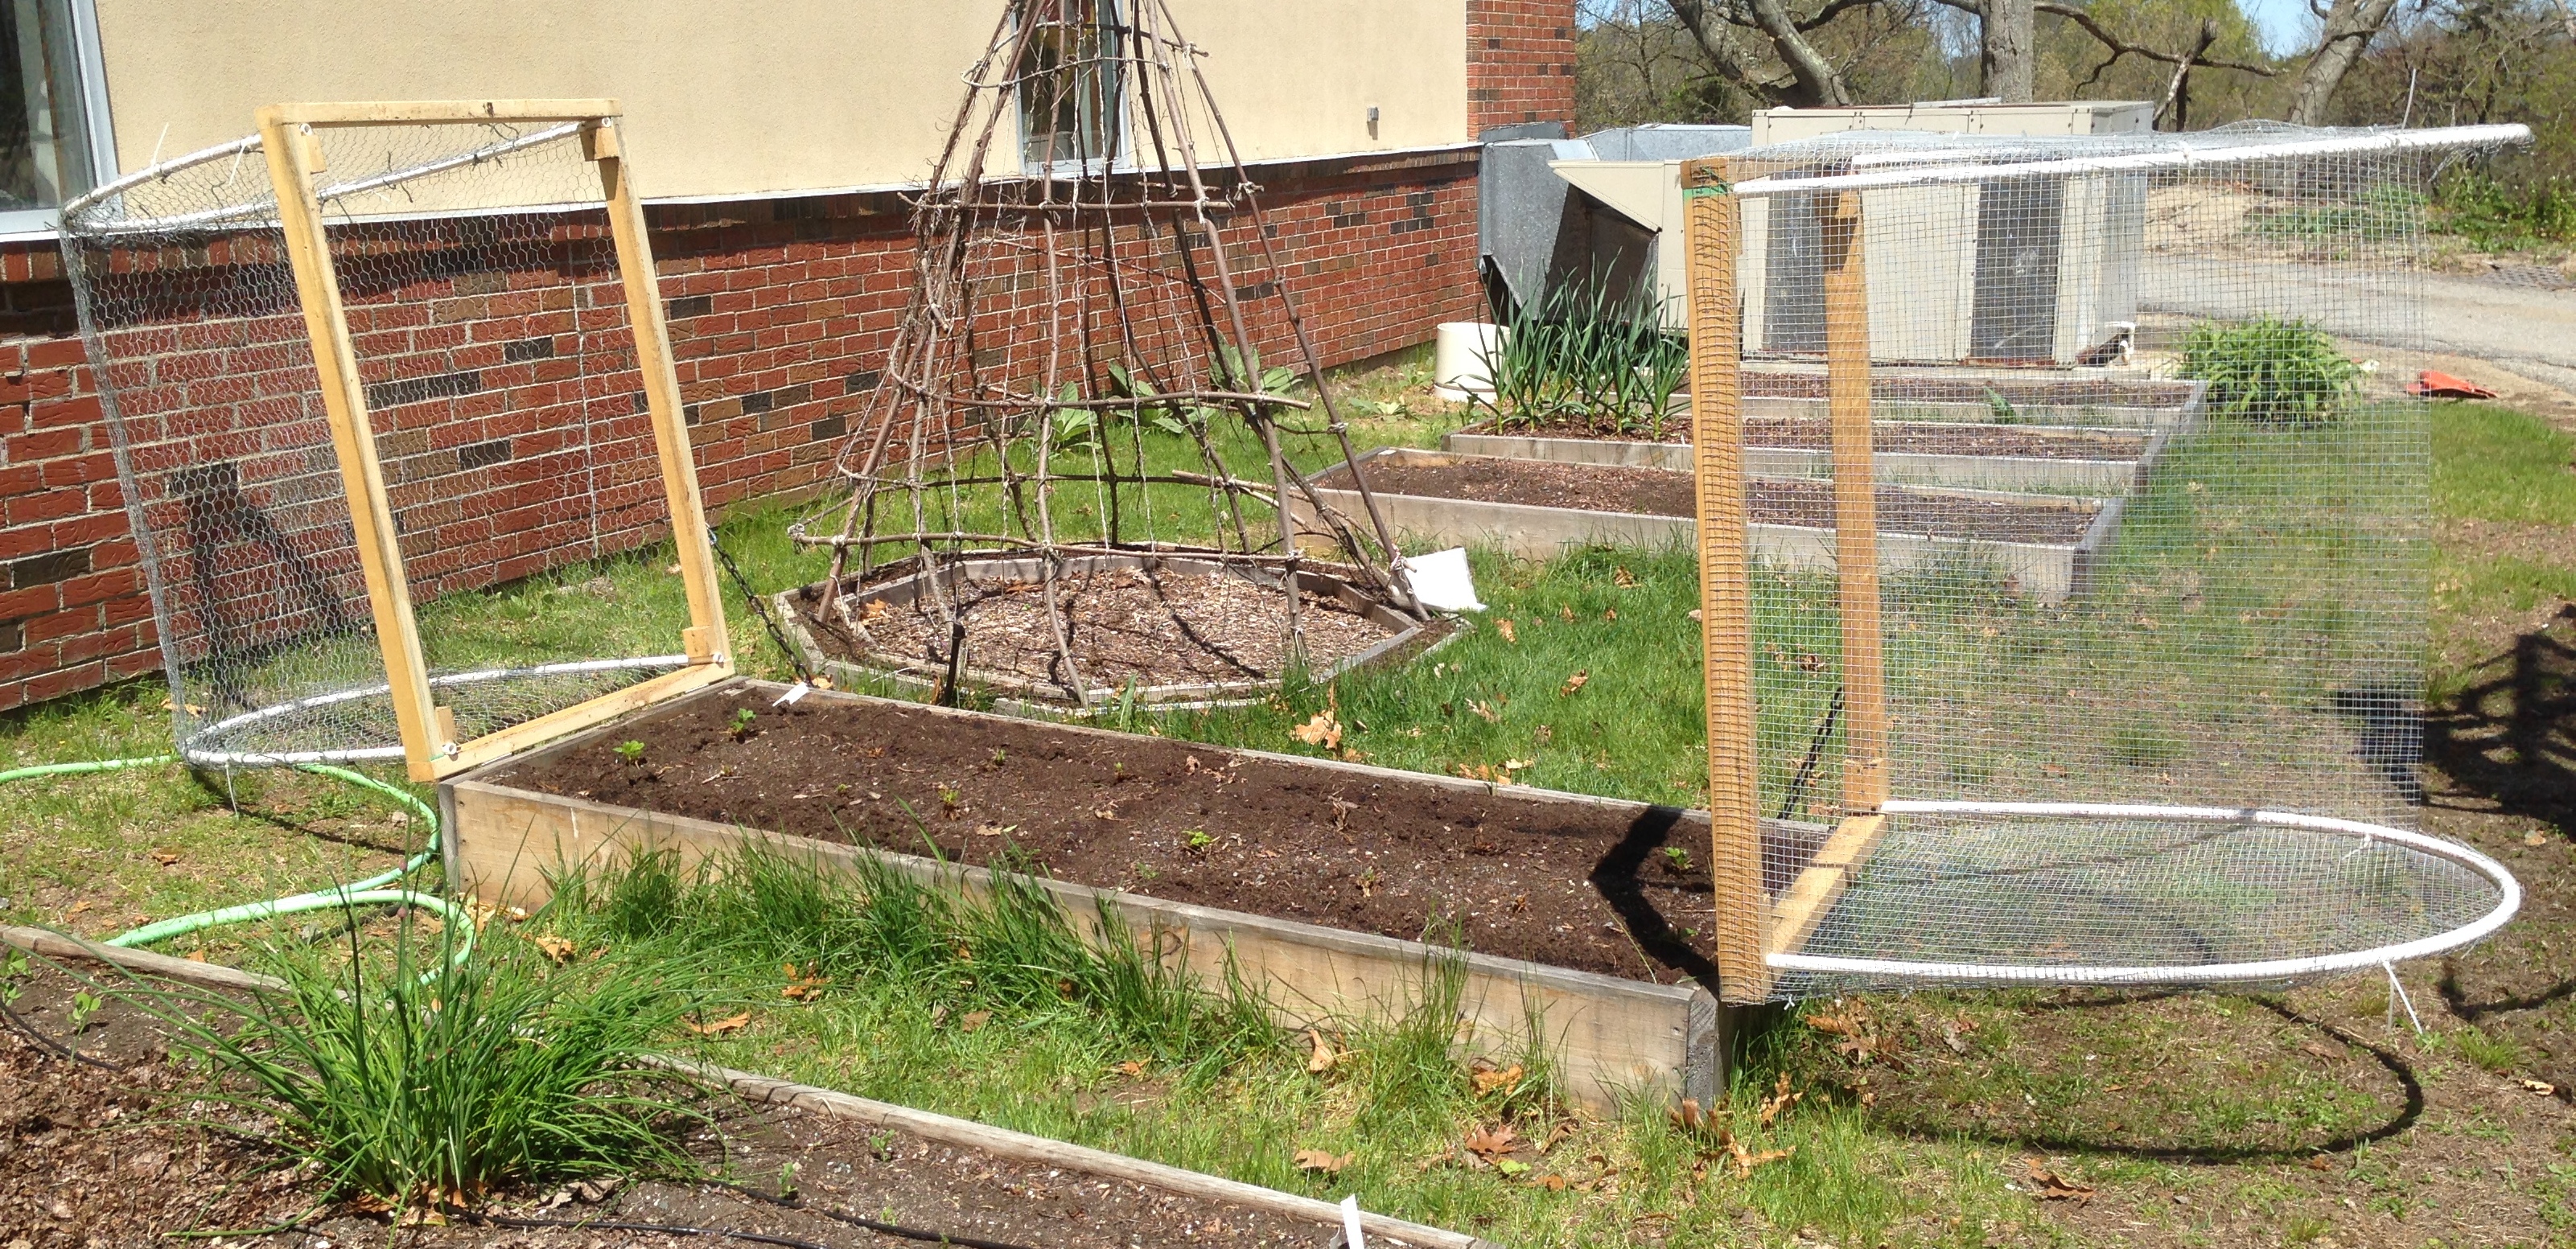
(97, 1154)
(1886, 437)
(1574, 884)
(1663, 492)
(1123, 625)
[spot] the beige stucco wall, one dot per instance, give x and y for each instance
(741, 97)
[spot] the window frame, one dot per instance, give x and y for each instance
(97, 133)
(1106, 15)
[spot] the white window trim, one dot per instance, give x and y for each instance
(29, 224)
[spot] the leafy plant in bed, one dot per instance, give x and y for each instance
(1580, 357)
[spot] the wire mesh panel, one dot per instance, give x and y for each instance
(472, 274)
(2154, 719)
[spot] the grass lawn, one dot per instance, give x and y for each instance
(2302, 1118)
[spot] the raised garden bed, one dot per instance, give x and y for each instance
(1159, 630)
(95, 1130)
(2047, 458)
(1317, 878)
(1943, 394)
(2040, 545)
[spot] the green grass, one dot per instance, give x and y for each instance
(2496, 464)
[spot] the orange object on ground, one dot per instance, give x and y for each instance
(2435, 384)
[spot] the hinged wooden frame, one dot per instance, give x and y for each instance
(430, 745)
(1754, 923)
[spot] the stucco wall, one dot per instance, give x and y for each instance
(746, 97)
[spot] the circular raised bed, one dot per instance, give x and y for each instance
(1165, 631)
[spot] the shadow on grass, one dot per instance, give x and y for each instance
(2511, 739)
(2106, 1141)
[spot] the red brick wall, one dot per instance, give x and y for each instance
(781, 312)
(1520, 62)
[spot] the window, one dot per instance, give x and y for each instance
(1069, 87)
(52, 140)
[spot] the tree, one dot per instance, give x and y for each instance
(1809, 80)
(2350, 26)
(2007, 37)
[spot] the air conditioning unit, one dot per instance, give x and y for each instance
(2037, 273)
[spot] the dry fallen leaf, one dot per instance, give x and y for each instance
(1485, 1142)
(1694, 613)
(560, 949)
(1552, 1183)
(1131, 1068)
(1687, 1116)
(1323, 730)
(804, 987)
(990, 829)
(1487, 1081)
(1610, 613)
(1504, 627)
(1573, 683)
(974, 1019)
(165, 858)
(1323, 1057)
(1746, 1159)
(2052, 1186)
(1622, 578)
(1323, 1160)
(1565, 614)
(1779, 1101)
(2317, 1162)
(1486, 711)
(2542, 1087)
(718, 1027)
(2535, 838)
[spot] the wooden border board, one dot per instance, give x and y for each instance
(429, 736)
(1613, 1038)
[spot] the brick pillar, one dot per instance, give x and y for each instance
(1520, 62)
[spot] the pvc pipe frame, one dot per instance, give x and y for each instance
(373, 889)
(2177, 157)
(2207, 973)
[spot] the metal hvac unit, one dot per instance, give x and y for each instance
(2036, 272)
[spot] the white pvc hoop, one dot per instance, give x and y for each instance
(2178, 156)
(2205, 973)
(190, 750)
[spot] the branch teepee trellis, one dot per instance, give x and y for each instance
(1080, 367)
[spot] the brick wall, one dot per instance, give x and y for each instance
(1520, 62)
(780, 310)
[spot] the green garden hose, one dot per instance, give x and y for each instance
(373, 889)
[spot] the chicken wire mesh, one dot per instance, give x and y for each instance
(1083, 474)
(499, 371)
(2150, 514)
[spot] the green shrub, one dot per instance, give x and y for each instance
(412, 1087)
(2275, 371)
(2497, 216)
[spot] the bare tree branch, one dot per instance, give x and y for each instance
(2121, 47)
(1812, 81)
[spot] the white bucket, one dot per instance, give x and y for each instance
(1458, 369)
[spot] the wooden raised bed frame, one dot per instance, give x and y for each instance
(1612, 1038)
